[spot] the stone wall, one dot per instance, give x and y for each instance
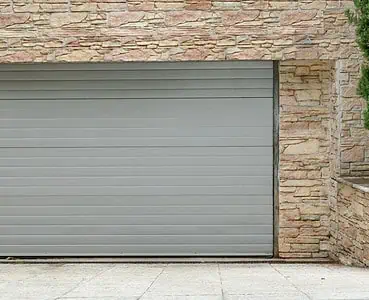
(350, 224)
(162, 30)
(305, 104)
(322, 133)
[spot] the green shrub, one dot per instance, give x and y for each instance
(359, 16)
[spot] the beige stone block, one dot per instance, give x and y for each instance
(293, 174)
(290, 214)
(303, 192)
(307, 53)
(117, 6)
(302, 240)
(310, 217)
(312, 5)
(140, 5)
(310, 224)
(354, 154)
(62, 19)
(198, 5)
(305, 248)
(26, 8)
(358, 209)
(19, 56)
(307, 209)
(191, 54)
(226, 5)
(308, 95)
(116, 19)
(13, 19)
(134, 55)
(232, 18)
(179, 18)
(288, 232)
(295, 16)
(305, 147)
(316, 231)
(78, 55)
(302, 70)
(169, 5)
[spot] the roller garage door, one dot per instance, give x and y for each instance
(136, 159)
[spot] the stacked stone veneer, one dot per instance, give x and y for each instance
(321, 129)
(305, 104)
(350, 225)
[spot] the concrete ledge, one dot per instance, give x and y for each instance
(360, 183)
(153, 260)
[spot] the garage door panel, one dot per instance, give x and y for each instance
(148, 74)
(170, 113)
(237, 120)
(132, 239)
(135, 210)
(259, 141)
(140, 250)
(178, 230)
(137, 181)
(138, 94)
(136, 132)
(178, 105)
(136, 171)
(136, 159)
(70, 85)
(262, 220)
(135, 190)
(135, 152)
(108, 201)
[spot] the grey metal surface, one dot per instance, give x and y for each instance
(136, 159)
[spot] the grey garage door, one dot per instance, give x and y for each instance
(136, 159)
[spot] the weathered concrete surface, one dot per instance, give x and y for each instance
(182, 281)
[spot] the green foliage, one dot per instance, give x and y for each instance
(359, 16)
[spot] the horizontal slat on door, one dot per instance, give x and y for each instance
(137, 181)
(184, 200)
(203, 132)
(136, 152)
(135, 210)
(137, 161)
(139, 250)
(137, 75)
(43, 121)
(36, 85)
(262, 220)
(137, 171)
(178, 230)
(134, 240)
(139, 94)
(136, 190)
(257, 141)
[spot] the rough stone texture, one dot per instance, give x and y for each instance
(305, 103)
(152, 30)
(322, 133)
(350, 225)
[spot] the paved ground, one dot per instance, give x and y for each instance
(182, 282)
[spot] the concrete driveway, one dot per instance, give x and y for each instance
(181, 281)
